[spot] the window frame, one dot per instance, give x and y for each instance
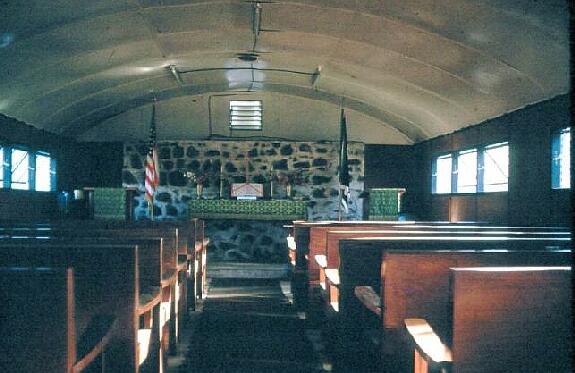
(6, 182)
(51, 171)
(28, 172)
(456, 172)
(557, 158)
(434, 173)
(480, 175)
(2, 166)
(483, 152)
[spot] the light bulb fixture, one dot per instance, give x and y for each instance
(176, 75)
(315, 76)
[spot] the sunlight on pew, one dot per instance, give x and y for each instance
(144, 337)
(332, 276)
(291, 243)
(429, 348)
(164, 313)
(514, 269)
(321, 261)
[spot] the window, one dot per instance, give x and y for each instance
(44, 172)
(1, 167)
(561, 159)
(467, 171)
(20, 169)
(26, 170)
(442, 174)
(484, 169)
(495, 167)
(246, 115)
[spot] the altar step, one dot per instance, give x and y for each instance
(247, 270)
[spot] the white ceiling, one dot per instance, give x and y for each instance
(406, 70)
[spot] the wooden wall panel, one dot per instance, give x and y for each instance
(463, 208)
(439, 208)
(25, 205)
(467, 138)
(530, 199)
(492, 207)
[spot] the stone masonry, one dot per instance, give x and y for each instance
(313, 164)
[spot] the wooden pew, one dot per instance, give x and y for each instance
(38, 310)
(308, 239)
(512, 319)
(361, 258)
(305, 239)
(311, 238)
(201, 243)
(101, 303)
(178, 257)
(334, 236)
(157, 282)
(415, 284)
(357, 269)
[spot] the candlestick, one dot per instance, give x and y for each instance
(221, 177)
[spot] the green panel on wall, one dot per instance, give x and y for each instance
(384, 203)
(110, 203)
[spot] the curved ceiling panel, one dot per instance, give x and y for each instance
(187, 117)
(413, 69)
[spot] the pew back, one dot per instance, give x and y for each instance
(106, 284)
(511, 320)
(37, 314)
(415, 284)
(334, 236)
(361, 258)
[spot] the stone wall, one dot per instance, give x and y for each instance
(315, 162)
(226, 162)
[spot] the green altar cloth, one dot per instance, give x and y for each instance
(247, 210)
(385, 203)
(109, 203)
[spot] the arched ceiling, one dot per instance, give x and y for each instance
(406, 70)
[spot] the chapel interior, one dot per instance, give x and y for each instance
(285, 186)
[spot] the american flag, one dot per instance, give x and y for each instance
(152, 175)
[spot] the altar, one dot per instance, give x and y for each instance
(247, 210)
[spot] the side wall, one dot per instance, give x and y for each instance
(530, 199)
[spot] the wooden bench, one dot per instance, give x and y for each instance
(512, 319)
(201, 243)
(361, 258)
(311, 239)
(416, 285)
(100, 306)
(413, 275)
(159, 280)
(331, 258)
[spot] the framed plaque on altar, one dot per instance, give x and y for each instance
(247, 190)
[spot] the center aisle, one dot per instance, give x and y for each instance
(249, 325)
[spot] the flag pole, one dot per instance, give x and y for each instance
(151, 202)
(339, 217)
(151, 178)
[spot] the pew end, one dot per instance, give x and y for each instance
(431, 355)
